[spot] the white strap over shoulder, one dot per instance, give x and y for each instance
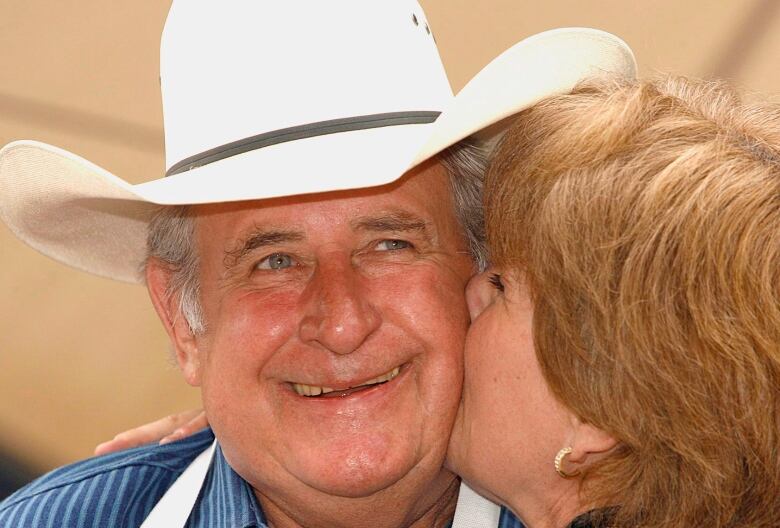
(174, 508)
(475, 511)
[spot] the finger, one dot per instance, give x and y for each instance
(106, 448)
(146, 433)
(197, 423)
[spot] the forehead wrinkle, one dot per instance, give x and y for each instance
(258, 238)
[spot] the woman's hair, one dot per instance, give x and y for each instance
(646, 218)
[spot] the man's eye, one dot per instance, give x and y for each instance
(392, 245)
(276, 261)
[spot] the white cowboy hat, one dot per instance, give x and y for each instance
(274, 98)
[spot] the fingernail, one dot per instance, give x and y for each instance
(176, 435)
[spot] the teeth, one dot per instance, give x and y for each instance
(311, 390)
(384, 377)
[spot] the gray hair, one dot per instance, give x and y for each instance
(170, 240)
(171, 230)
(466, 163)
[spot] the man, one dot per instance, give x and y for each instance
(308, 262)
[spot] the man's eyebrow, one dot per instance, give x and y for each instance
(257, 239)
(393, 221)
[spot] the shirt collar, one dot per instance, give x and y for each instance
(227, 500)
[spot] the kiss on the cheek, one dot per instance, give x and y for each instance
(307, 253)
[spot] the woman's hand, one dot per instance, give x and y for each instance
(169, 429)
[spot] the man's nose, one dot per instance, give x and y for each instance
(479, 293)
(338, 314)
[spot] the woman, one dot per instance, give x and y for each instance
(623, 365)
(624, 354)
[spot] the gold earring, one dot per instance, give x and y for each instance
(559, 462)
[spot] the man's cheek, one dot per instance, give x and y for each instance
(425, 288)
(257, 320)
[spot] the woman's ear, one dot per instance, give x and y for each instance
(183, 340)
(589, 441)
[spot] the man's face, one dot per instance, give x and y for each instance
(332, 355)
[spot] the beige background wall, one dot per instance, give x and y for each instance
(82, 357)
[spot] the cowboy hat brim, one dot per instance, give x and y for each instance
(84, 216)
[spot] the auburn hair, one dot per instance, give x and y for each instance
(645, 216)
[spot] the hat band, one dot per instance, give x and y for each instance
(320, 128)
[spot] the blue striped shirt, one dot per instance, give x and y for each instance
(119, 490)
(507, 520)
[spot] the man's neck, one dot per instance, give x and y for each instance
(434, 507)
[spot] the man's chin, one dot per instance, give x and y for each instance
(358, 475)
(356, 488)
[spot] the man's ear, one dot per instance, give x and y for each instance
(184, 342)
(589, 441)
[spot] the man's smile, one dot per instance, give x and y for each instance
(310, 391)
